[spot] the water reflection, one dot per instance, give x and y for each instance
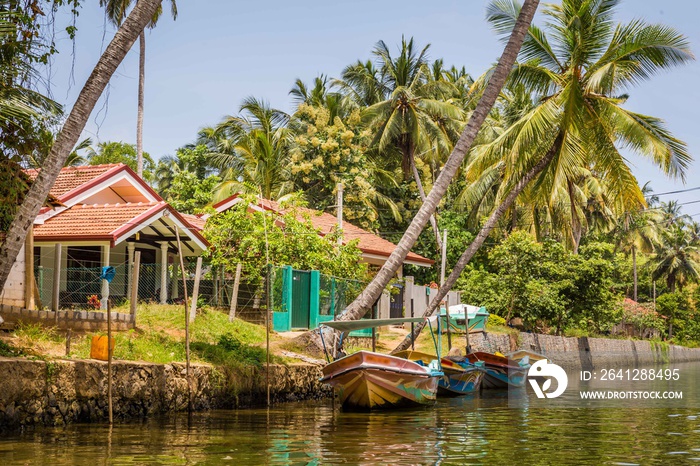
(469, 430)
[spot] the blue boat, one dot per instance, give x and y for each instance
(460, 377)
(499, 371)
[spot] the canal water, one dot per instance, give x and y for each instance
(470, 430)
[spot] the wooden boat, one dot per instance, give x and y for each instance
(366, 380)
(499, 371)
(460, 314)
(461, 378)
(520, 355)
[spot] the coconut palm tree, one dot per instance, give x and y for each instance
(677, 258)
(637, 231)
(581, 67)
(116, 12)
(252, 151)
(70, 132)
(491, 91)
(408, 117)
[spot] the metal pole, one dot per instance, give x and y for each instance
(443, 260)
(413, 342)
(447, 316)
(135, 274)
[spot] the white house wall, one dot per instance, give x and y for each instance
(13, 292)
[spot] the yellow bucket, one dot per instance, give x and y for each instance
(98, 350)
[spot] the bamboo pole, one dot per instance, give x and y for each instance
(234, 295)
(195, 289)
(413, 340)
(187, 320)
(109, 359)
(449, 325)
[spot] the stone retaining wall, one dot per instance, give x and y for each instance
(583, 352)
(63, 391)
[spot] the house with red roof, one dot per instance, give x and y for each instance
(375, 249)
(106, 214)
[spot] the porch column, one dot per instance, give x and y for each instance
(163, 272)
(105, 283)
(174, 277)
(130, 247)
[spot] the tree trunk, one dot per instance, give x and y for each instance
(634, 270)
(370, 294)
(479, 240)
(139, 115)
(68, 136)
(421, 191)
(575, 221)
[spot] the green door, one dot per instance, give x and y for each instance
(301, 291)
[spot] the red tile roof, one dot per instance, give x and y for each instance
(368, 242)
(195, 221)
(71, 178)
(99, 221)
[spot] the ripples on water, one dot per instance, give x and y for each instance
(470, 430)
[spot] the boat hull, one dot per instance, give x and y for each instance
(461, 383)
(367, 381)
(499, 371)
(459, 378)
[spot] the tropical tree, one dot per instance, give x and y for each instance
(120, 152)
(252, 151)
(581, 69)
(407, 116)
(370, 294)
(70, 132)
(637, 231)
(116, 12)
(677, 258)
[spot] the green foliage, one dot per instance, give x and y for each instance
(120, 152)
(546, 285)
(239, 236)
(9, 351)
(330, 151)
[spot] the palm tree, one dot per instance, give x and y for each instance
(637, 231)
(370, 294)
(677, 257)
(581, 66)
(70, 132)
(252, 151)
(116, 12)
(581, 69)
(407, 117)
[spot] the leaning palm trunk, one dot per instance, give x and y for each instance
(370, 294)
(421, 191)
(67, 138)
(139, 115)
(479, 240)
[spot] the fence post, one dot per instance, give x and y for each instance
(195, 288)
(56, 285)
(234, 295)
(133, 300)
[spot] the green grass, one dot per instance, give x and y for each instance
(160, 338)
(37, 333)
(9, 351)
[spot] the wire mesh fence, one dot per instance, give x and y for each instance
(336, 293)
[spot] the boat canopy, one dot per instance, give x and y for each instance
(350, 325)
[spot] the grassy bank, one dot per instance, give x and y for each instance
(159, 337)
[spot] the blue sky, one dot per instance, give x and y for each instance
(201, 66)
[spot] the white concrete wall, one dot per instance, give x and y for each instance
(13, 292)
